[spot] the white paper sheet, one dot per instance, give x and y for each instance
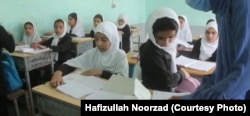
(106, 95)
(184, 61)
(160, 95)
(140, 91)
(78, 86)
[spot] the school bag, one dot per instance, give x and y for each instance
(11, 76)
(188, 85)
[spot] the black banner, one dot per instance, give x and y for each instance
(167, 106)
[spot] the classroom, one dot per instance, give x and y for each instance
(64, 52)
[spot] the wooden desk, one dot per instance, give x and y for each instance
(135, 39)
(184, 51)
(199, 73)
(81, 45)
(55, 103)
(27, 62)
(131, 59)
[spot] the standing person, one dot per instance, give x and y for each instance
(7, 42)
(231, 78)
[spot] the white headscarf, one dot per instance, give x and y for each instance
(56, 39)
(185, 33)
(207, 49)
(113, 60)
(123, 17)
(34, 38)
(171, 49)
(78, 28)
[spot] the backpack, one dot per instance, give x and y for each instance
(11, 76)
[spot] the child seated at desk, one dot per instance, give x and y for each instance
(185, 32)
(30, 35)
(104, 60)
(75, 26)
(205, 48)
(157, 55)
(60, 43)
(97, 20)
(124, 31)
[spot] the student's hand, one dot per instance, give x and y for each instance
(18, 44)
(41, 46)
(175, 98)
(186, 74)
(92, 72)
(57, 79)
(34, 45)
(49, 33)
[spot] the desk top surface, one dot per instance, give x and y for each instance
(76, 40)
(132, 60)
(51, 92)
(82, 40)
(24, 55)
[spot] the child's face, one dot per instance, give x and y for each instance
(121, 22)
(182, 23)
(72, 22)
(59, 28)
(164, 38)
(29, 30)
(211, 35)
(102, 42)
(97, 21)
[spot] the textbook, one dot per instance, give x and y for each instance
(122, 88)
(194, 64)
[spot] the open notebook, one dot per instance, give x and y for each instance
(79, 86)
(28, 49)
(194, 64)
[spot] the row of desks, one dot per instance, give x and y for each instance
(28, 62)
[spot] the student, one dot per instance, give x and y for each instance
(210, 20)
(60, 43)
(7, 42)
(31, 35)
(205, 48)
(97, 20)
(104, 60)
(231, 78)
(124, 31)
(157, 55)
(75, 26)
(185, 32)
